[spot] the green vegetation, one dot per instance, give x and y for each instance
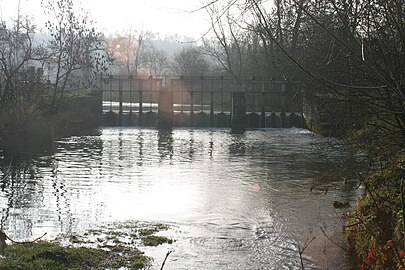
(154, 240)
(152, 229)
(110, 247)
(47, 255)
(375, 226)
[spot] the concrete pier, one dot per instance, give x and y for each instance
(165, 110)
(238, 113)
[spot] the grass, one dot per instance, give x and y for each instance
(109, 247)
(44, 255)
(154, 240)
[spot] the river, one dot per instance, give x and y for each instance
(233, 201)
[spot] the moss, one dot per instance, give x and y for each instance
(117, 233)
(138, 261)
(149, 229)
(47, 255)
(94, 232)
(108, 247)
(338, 204)
(154, 240)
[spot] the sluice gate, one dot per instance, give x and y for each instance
(201, 102)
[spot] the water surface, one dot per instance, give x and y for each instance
(234, 201)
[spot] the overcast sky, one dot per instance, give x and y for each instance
(163, 16)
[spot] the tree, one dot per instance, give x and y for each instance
(226, 48)
(350, 56)
(240, 44)
(360, 71)
(190, 61)
(21, 66)
(154, 60)
(78, 52)
(126, 50)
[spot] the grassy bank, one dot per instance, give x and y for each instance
(375, 227)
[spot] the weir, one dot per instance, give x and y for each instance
(201, 102)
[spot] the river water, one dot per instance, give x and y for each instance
(233, 201)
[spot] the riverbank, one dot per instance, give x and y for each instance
(35, 133)
(374, 230)
(375, 226)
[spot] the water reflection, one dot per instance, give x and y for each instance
(211, 145)
(165, 143)
(191, 147)
(237, 145)
(236, 201)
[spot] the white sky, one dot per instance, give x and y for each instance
(160, 16)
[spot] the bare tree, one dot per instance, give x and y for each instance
(239, 45)
(154, 60)
(126, 50)
(21, 67)
(76, 47)
(351, 52)
(190, 61)
(226, 48)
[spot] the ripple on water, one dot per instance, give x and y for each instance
(235, 201)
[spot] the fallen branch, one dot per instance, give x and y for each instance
(164, 261)
(333, 242)
(361, 221)
(4, 237)
(26, 242)
(301, 250)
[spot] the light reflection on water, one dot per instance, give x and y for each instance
(235, 201)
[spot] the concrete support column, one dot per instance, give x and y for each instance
(282, 115)
(165, 110)
(211, 109)
(120, 97)
(192, 108)
(263, 119)
(238, 114)
(140, 102)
